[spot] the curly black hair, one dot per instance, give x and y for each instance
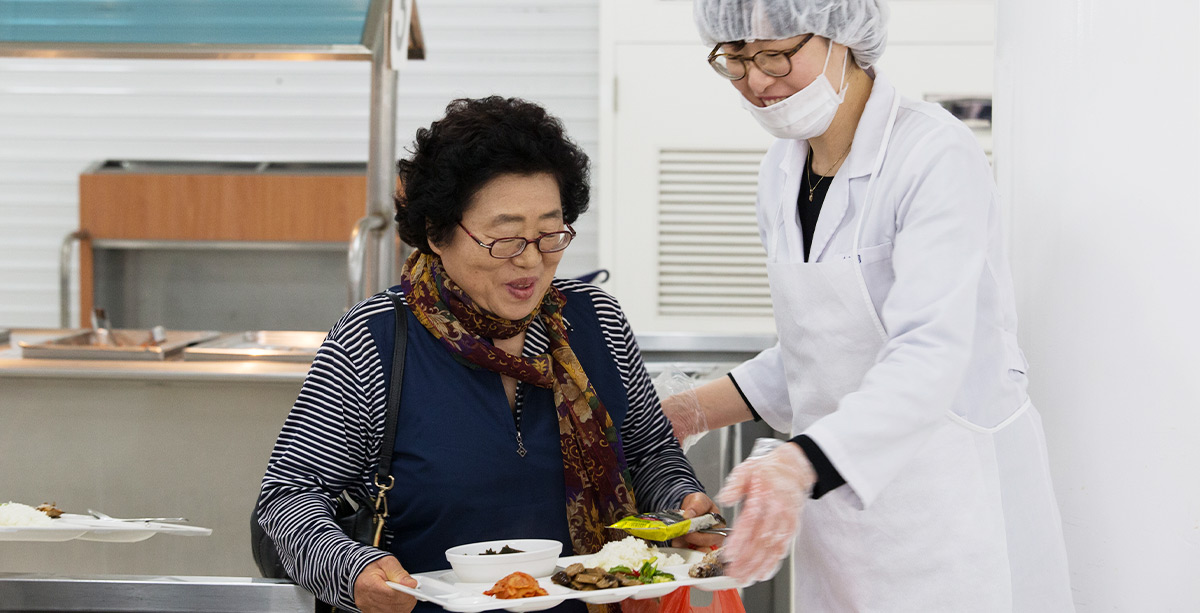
(478, 140)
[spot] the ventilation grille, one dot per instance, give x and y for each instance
(710, 259)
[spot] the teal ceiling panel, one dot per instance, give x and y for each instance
(184, 22)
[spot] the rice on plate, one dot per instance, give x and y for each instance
(15, 514)
(630, 552)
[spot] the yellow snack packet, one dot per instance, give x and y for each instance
(666, 525)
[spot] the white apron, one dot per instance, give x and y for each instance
(934, 539)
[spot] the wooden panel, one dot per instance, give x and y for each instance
(221, 207)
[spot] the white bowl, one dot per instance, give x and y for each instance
(538, 558)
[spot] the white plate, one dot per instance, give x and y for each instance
(443, 588)
(54, 533)
(87, 528)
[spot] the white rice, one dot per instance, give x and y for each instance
(630, 552)
(20, 515)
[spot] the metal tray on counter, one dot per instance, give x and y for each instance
(268, 345)
(122, 345)
(71, 526)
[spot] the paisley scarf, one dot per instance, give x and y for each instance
(599, 488)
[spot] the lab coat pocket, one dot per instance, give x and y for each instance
(876, 263)
(870, 255)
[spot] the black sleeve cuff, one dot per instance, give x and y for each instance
(828, 478)
(746, 400)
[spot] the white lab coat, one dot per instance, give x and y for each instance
(934, 265)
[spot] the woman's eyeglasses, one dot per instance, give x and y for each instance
(772, 62)
(512, 246)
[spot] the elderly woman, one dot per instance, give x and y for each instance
(526, 410)
(897, 371)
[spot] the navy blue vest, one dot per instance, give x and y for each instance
(459, 478)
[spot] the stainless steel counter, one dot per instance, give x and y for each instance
(691, 352)
(691, 343)
(13, 365)
(114, 430)
(150, 594)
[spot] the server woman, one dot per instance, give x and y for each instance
(897, 368)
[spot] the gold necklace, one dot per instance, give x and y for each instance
(812, 187)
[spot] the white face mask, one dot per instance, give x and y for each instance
(806, 113)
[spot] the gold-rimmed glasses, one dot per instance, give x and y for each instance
(773, 62)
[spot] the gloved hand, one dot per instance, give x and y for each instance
(681, 406)
(772, 486)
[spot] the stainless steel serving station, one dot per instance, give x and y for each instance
(178, 437)
(387, 33)
(138, 438)
(146, 437)
(28, 592)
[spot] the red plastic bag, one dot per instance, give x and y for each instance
(680, 601)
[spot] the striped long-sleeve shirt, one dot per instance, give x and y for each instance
(330, 442)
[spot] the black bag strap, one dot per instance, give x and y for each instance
(400, 343)
(266, 556)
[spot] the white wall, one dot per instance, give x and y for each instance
(57, 116)
(1097, 131)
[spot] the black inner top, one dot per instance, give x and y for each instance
(808, 211)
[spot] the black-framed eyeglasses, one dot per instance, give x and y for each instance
(512, 246)
(773, 62)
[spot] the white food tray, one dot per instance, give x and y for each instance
(86, 528)
(443, 588)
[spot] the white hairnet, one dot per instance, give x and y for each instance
(860, 25)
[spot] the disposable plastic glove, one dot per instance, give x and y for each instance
(681, 406)
(772, 486)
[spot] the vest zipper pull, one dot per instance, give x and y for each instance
(520, 445)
